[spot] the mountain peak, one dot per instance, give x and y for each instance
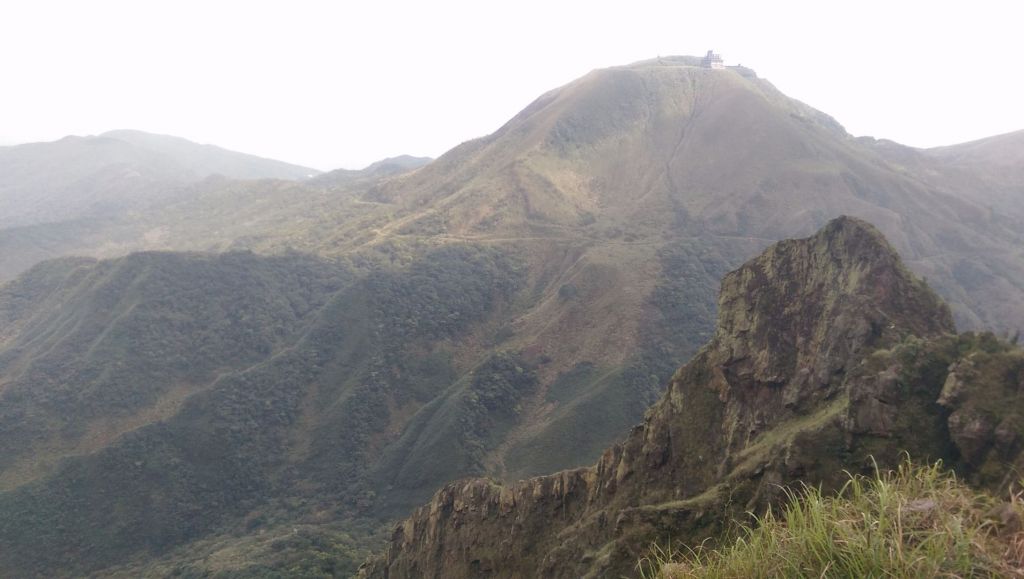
(807, 308)
(842, 288)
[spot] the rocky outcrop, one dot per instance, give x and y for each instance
(827, 352)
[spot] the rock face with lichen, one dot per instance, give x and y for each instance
(828, 356)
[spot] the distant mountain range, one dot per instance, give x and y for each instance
(84, 176)
(382, 168)
(227, 375)
(127, 191)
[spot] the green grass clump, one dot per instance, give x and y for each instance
(914, 522)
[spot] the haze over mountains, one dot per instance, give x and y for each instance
(998, 162)
(78, 177)
(126, 191)
(324, 353)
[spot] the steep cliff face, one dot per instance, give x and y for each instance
(827, 352)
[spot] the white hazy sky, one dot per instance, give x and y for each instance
(344, 83)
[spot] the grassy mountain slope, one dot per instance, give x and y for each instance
(160, 399)
(91, 350)
(272, 216)
(994, 167)
(657, 150)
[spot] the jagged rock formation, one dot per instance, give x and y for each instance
(827, 352)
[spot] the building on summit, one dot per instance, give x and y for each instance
(712, 60)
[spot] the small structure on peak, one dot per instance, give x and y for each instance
(712, 60)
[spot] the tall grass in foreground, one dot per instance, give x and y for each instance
(918, 521)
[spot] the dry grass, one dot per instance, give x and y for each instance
(918, 521)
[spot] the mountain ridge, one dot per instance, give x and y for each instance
(789, 389)
(77, 177)
(214, 159)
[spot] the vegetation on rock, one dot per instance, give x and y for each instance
(918, 521)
